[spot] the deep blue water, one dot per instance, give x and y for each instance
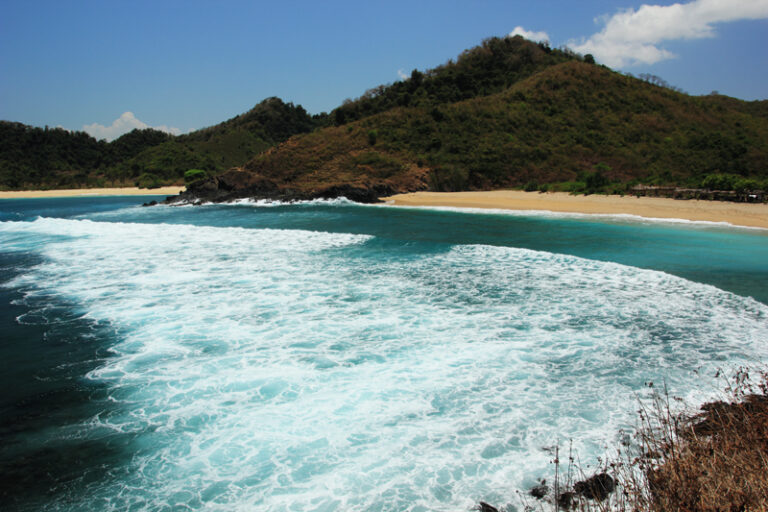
(332, 356)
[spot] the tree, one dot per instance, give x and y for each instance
(194, 175)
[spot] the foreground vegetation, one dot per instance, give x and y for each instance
(710, 460)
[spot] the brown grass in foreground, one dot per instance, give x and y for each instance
(715, 460)
(711, 460)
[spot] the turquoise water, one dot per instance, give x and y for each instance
(333, 356)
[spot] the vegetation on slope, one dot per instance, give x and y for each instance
(508, 113)
(575, 125)
(220, 147)
(486, 69)
(55, 158)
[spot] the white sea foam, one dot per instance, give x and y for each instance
(335, 201)
(271, 203)
(295, 370)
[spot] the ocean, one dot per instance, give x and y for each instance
(326, 356)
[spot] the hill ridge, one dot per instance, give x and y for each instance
(507, 113)
(573, 125)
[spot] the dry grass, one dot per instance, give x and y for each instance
(711, 460)
(714, 460)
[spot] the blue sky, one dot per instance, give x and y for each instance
(183, 65)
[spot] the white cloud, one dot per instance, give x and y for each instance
(530, 35)
(634, 36)
(123, 124)
(403, 75)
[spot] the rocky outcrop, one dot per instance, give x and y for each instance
(239, 183)
(597, 487)
(539, 491)
(230, 185)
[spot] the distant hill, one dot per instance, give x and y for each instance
(507, 113)
(33, 157)
(222, 146)
(55, 158)
(552, 120)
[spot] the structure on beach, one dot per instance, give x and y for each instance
(743, 196)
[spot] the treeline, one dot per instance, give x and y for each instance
(486, 69)
(54, 156)
(33, 157)
(218, 147)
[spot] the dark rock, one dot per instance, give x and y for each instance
(230, 185)
(151, 203)
(353, 193)
(239, 184)
(539, 491)
(566, 500)
(597, 487)
(484, 507)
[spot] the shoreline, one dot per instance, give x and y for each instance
(750, 215)
(80, 192)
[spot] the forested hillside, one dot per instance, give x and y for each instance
(486, 69)
(564, 123)
(507, 113)
(55, 158)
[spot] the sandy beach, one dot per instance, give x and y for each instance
(739, 214)
(127, 191)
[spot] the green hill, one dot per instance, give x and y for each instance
(219, 147)
(568, 125)
(43, 157)
(508, 113)
(55, 158)
(486, 69)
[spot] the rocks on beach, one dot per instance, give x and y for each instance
(597, 487)
(539, 491)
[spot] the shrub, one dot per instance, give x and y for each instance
(372, 136)
(719, 181)
(148, 180)
(618, 190)
(376, 164)
(436, 114)
(574, 187)
(595, 181)
(745, 185)
(531, 186)
(602, 167)
(448, 179)
(194, 175)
